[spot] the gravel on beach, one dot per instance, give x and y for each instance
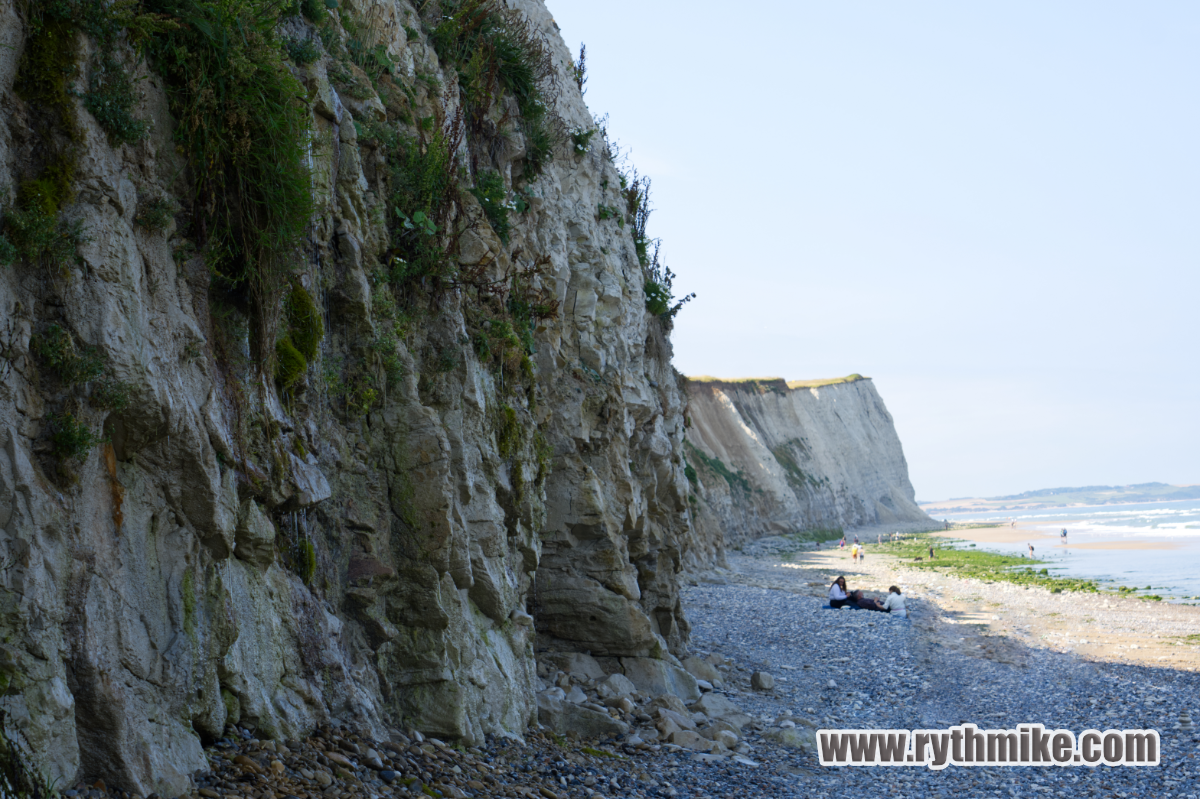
(830, 669)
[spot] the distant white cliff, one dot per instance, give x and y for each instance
(767, 457)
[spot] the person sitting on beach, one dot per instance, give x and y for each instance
(895, 603)
(838, 595)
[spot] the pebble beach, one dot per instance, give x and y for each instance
(994, 655)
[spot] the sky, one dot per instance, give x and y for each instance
(992, 209)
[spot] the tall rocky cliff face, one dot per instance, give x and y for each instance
(431, 462)
(328, 388)
(769, 457)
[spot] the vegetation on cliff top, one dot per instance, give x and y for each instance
(831, 381)
(779, 381)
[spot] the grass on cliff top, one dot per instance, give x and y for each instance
(711, 379)
(980, 564)
(831, 381)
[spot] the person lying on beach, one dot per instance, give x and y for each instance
(895, 603)
(838, 595)
(864, 603)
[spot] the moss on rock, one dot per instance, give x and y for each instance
(305, 326)
(290, 363)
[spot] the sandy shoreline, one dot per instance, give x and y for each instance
(1015, 535)
(986, 616)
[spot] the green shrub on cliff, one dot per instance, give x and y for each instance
(71, 438)
(424, 193)
(658, 286)
(38, 236)
(71, 362)
(155, 215)
(244, 129)
(495, 50)
(110, 99)
(489, 190)
(302, 51)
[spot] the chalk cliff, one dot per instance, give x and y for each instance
(342, 472)
(770, 457)
(335, 383)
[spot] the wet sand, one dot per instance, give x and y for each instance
(1022, 533)
(995, 535)
(1123, 545)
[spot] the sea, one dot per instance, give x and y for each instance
(1173, 574)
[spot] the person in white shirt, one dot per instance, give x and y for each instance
(838, 595)
(895, 603)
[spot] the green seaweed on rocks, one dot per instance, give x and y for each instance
(981, 565)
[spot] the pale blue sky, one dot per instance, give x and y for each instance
(991, 208)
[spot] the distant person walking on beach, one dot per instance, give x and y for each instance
(856, 538)
(931, 553)
(1030, 549)
(880, 537)
(854, 553)
(1063, 536)
(842, 543)
(862, 553)
(946, 522)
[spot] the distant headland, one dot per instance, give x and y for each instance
(1064, 498)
